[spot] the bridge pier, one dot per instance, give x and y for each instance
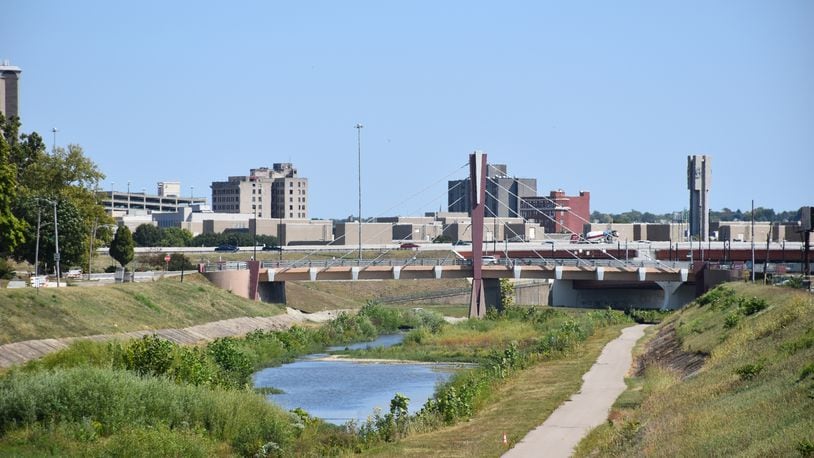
(272, 291)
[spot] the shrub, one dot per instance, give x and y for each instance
(732, 320)
(150, 355)
(647, 316)
(6, 272)
(749, 371)
(752, 305)
(236, 367)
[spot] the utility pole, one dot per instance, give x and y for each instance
(56, 241)
(359, 161)
(753, 240)
(37, 252)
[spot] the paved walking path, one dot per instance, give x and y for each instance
(562, 431)
(21, 352)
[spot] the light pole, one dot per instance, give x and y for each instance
(128, 197)
(37, 252)
(54, 147)
(56, 241)
(56, 238)
(359, 161)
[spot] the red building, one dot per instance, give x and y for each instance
(558, 213)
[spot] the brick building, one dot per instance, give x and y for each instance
(558, 213)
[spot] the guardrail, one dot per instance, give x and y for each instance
(506, 262)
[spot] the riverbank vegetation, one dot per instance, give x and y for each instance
(150, 396)
(754, 395)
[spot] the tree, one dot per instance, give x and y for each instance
(175, 236)
(121, 249)
(147, 235)
(179, 261)
(11, 228)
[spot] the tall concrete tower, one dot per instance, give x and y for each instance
(9, 76)
(699, 176)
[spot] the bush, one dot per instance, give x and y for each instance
(647, 316)
(732, 320)
(6, 272)
(150, 355)
(749, 371)
(236, 367)
(751, 305)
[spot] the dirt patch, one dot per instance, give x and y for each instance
(665, 350)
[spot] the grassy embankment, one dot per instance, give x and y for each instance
(149, 395)
(76, 311)
(754, 395)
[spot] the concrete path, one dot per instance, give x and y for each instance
(21, 352)
(562, 431)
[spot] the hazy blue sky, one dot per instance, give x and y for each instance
(603, 96)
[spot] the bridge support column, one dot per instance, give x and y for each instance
(254, 279)
(491, 287)
(670, 287)
(273, 292)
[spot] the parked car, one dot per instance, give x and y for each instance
(408, 246)
(272, 248)
(461, 242)
(227, 248)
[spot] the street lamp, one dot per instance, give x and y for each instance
(128, 197)
(359, 161)
(54, 147)
(56, 238)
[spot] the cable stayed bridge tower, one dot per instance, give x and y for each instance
(477, 179)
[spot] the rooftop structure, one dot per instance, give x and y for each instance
(9, 89)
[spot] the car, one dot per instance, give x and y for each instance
(461, 243)
(272, 248)
(408, 246)
(489, 260)
(227, 248)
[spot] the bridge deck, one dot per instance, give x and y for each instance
(489, 271)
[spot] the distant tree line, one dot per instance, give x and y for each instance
(725, 214)
(148, 235)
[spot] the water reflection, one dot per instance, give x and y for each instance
(338, 391)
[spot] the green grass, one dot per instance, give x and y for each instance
(26, 314)
(516, 406)
(69, 409)
(754, 396)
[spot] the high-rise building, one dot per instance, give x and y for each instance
(558, 213)
(503, 193)
(9, 89)
(699, 175)
(268, 193)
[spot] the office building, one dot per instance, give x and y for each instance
(503, 193)
(267, 193)
(558, 213)
(9, 89)
(699, 175)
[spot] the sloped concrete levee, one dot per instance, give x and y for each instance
(21, 352)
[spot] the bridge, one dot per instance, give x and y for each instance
(575, 281)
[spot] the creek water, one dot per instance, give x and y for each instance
(338, 391)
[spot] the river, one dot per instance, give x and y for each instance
(338, 391)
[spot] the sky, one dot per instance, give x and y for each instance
(609, 97)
